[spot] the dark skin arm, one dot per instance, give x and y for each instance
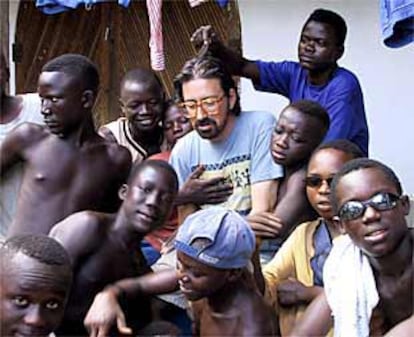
(204, 38)
(13, 147)
(107, 134)
(291, 292)
(291, 209)
(203, 191)
(105, 310)
(317, 319)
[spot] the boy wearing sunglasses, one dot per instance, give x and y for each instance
(369, 272)
(293, 278)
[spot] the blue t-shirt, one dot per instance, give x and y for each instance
(243, 158)
(341, 97)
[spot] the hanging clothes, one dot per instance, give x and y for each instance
(397, 22)
(154, 8)
(51, 7)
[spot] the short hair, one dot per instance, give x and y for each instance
(313, 109)
(137, 167)
(39, 247)
(333, 19)
(207, 67)
(343, 145)
(78, 66)
(359, 164)
(143, 75)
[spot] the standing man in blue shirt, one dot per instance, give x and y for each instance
(316, 76)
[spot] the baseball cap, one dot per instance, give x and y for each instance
(230, 240)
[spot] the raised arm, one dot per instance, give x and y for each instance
(107, 134)
(317, 319)
(205, 39)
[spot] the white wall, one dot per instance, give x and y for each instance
(270, 31)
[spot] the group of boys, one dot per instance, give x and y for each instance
(267, 177)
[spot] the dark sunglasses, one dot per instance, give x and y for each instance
(353, 209)
(316, 181)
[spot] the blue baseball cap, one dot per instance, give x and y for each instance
(230, 242)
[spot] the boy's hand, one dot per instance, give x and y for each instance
(203, 38)
(204, 191)
(265, 224)
(293, 292)
(103, 314)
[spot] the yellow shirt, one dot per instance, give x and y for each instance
(292, 260)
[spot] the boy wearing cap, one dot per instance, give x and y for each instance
(214, 247)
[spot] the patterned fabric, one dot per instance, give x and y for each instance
(242, 159)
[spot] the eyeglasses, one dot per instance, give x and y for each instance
(353, 209)
(180, 120)
(210, 105)
(316, 181)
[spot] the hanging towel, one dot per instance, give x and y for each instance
(154, 8)
(350, 288)
(397, 22)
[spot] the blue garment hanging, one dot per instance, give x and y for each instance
(59, 6)
(397, 22)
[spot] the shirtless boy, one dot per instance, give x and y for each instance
(68, 167)
(104, 247)
(374, 259)
(214, 247)
(34, 285)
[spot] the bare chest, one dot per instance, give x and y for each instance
(396, 297)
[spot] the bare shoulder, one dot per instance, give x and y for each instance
(28, 134)
(81, 233)
(119, 154)
(258, 317)
(85, 224)
(297, 178)
(107, 134)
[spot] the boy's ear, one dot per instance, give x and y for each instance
(338, 224)
(405, 202)
(123, 190)
(234, 274)
(339, 52)
(232, 98)
(88, 99)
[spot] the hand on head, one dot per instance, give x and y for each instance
(203, 38)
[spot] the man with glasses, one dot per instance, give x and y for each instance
(369, 274)
(230, 144)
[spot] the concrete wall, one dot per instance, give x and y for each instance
(270, 31)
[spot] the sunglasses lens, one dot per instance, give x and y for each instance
(313, 181)
(383, 201)
(351, 210)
